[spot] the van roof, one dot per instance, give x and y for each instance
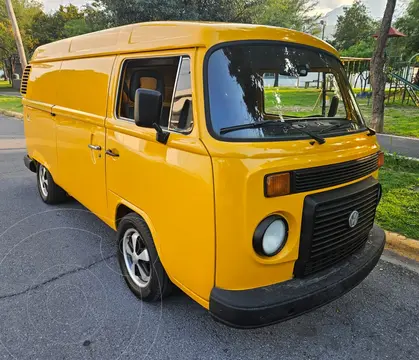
(150, 36)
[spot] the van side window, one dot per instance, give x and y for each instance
(156, 74)
(181, 116)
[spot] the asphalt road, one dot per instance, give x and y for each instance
(62, 296)
(400, 145)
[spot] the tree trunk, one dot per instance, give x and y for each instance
(378, 77)
(16, 32)
(276, 82)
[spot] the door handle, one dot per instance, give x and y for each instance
(94, 147)
(111, 153)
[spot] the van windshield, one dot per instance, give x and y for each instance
(274, 91)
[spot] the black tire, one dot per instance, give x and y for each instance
(49, 191)
(159, 285)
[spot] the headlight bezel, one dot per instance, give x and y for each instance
(260, 233)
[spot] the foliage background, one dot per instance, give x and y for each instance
(353, 35)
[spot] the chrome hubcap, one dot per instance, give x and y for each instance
(137, 259)
(43, 180)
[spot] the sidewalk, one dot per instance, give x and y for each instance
(10, 93)
(401, 145)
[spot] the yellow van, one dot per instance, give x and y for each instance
(232, 160)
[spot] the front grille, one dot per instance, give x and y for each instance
(326, 237)
(331, 175)
(25, 79)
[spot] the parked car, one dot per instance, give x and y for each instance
(256, 210)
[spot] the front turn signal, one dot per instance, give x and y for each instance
(277, 185)
(380, 159)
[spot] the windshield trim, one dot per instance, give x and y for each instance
(208, 121)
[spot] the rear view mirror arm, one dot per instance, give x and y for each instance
(161, 136)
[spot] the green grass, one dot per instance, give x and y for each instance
(291, 97)
(11, 104)
(399, 119)
(6, 87)
(399, 207)
(293, 102)
(4, 84)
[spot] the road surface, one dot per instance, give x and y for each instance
(400, 145)
(62, 296)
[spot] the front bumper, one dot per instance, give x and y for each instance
(275, 303)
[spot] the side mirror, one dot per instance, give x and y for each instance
(334, 107)
(147, 107)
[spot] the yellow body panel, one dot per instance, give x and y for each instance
(173, 185)
(153, 36)
(241, 205)
(40, 127)
(80, 117)
(201, 198)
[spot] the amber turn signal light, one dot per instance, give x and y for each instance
(277, 185)
(380, 159)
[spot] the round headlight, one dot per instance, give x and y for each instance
(270, 236)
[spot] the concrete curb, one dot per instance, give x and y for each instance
(403, 246)
(11, 114)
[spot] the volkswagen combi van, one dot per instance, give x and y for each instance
(232, 160)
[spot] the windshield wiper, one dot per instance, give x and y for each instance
(262, 124)
(334, 127)
(256, 125)
(318, 138)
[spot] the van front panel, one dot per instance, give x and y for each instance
(241, 205)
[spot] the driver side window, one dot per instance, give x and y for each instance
(171, 76)
(154, 74)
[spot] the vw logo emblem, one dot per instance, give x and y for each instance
(353, 219)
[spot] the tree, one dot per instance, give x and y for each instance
(378, 76)
(408, 24)
(16, 33)
(354, 26)
(133, 11)
(93, 19)
(25, 11)
(51, 27)
(66, 22)
(291, 14)
(363, 49)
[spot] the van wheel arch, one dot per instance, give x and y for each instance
(49, 191)
(156, 285)
(122, 211)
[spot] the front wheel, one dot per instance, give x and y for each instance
(50, 192)
(139, 261)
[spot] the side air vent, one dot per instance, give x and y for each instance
(25, 79)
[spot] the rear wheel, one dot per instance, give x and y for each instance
(50, 192)
(139, 261)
